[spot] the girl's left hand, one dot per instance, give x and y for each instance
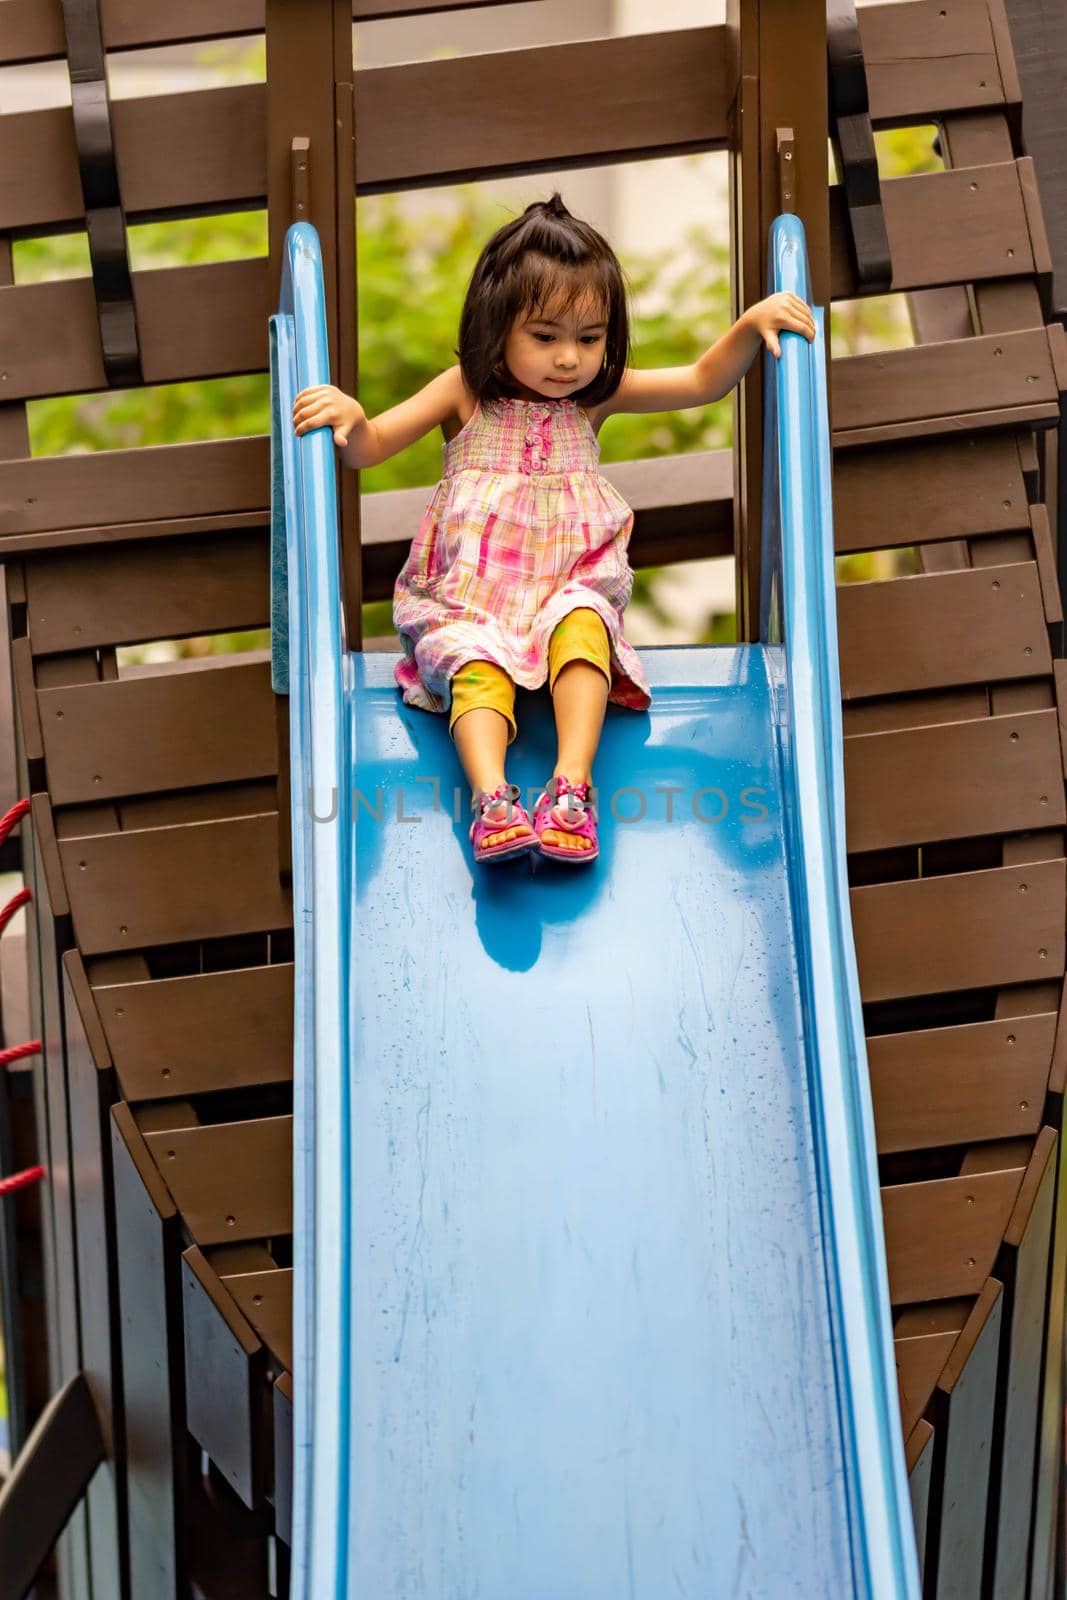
(780, 311)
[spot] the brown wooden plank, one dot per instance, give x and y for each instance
(34, 31)
(940, 314)
(8, 795)
(999, 550)
(683, 505)
(956, 488)
(215, 1030)
(150, 733)
(283, 1457)
(26, 699)
(935, 630)
(266, 1299)
(1047, 1523)
(963, 1424)
(225, 1369)
(307, 48)
(957, 226)
(112, 532)
(1039, 39)
(230, 1260)
(965, 930)
(1023, 1267)
(192, 322)
(915, 710)
(508, 90)
(230, 1180)
(1046, 562)
(1035, 221)
(157, 481)
(1058, 1071)
(55, 1207)
(924, 57)
(994, 1155)
(1027, 694)
(984, 375)
(919, 1451)
(986, 136)
(148, 1234)
(216, 140)
(163, 885)
(942, 1236)
(170, 810)
(159, 590)
(50, 1477)
(688, 496)
(960, 779)
(90, 1093)
(48, 869)
(1041, 415)
(940, 1086)
(923, 1337)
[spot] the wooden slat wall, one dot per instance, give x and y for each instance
(34, 31)
(954, 773)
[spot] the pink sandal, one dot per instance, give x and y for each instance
(485, 827)
(567, 807)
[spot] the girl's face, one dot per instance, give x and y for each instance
(552, 351)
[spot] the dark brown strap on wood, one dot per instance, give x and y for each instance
(52, 1472)
(104, 219)
(853, 141)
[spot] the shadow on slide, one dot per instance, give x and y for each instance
(590, 1298)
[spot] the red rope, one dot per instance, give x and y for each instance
(20, 898)
(21, 1180)
(10, 818)
(16, 1052)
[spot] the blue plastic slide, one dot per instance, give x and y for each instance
(590, 1297)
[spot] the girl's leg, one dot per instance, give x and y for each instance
(482, 726)
(481, 740)
(579, 700)
(580, 675)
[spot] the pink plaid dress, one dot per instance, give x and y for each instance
(521, 529)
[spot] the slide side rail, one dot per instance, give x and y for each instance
(309, 662)
(798, 614)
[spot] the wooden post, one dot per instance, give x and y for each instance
(309, 98)
(779, 66)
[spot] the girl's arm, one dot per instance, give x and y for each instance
(365, 441)
(716, 372)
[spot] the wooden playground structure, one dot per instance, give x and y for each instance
(146, 1283)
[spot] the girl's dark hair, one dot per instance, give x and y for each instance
(528, 262)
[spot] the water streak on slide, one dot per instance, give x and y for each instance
(590, 1297)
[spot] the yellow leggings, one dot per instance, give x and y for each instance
(580, 636)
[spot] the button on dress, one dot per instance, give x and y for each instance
(521, 529)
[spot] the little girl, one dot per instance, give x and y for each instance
(519, 569)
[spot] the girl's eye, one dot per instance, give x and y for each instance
(590, 338)
(545, 337)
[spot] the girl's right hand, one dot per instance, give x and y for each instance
(327, 407)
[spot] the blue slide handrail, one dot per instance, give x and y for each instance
(798, 610)
(310, 662)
